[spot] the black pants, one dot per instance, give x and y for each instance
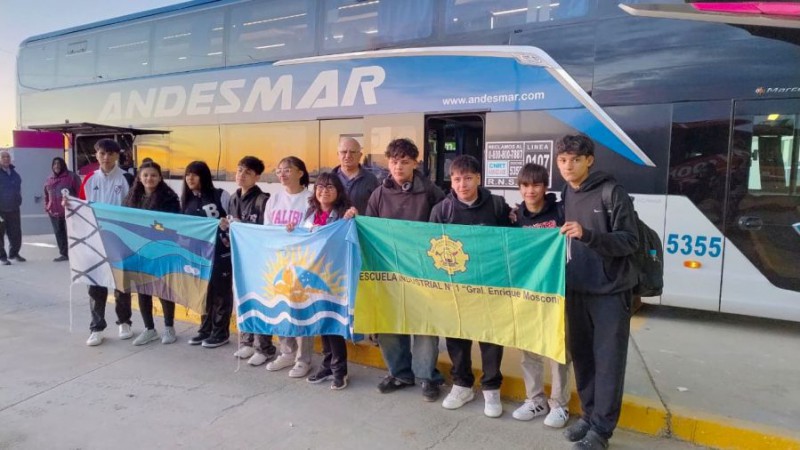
(460, 351)
(146, 308)
(599, 328)
(334, 354)
(216, 322)
(60, 230)
(10, 224)
(98, 296)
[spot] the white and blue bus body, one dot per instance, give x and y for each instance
(698, 120)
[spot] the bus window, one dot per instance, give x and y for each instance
(270, 30)
(477, 15)
(380, 130)
(360, 25)
(187, 144)
(76, 61)
(189, 42)
(37, 66)
(124, 52)
(271, 142)
(773, 169)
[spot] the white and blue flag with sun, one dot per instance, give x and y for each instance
(301, 283)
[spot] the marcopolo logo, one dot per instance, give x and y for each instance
(239, 95)
(761, 90)
(448, 255)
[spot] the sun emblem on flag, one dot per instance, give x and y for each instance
(296, 275)
(448, 255)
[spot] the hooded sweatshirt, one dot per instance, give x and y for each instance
(551, 215)
(55, 183)
(248, 208)
(600, 261)
(390, 201)
(482, 212)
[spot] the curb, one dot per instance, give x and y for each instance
(639, 414)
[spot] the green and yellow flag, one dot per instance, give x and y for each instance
(490, 284)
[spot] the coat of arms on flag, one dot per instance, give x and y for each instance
(166, 255)
(295, 284)
(492, 284)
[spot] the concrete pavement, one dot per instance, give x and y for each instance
(690, 375)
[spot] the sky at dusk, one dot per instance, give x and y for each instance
(21, 19)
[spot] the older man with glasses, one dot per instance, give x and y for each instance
(10, 202)
(358, 182)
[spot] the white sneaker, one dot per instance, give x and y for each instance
(281, 362)
(145, 337)
(257, 359)
(530, 409)
(125, 331)
(299, 370)
(169, 336)
(95, 338)
(557, 418)
(493, 406)
(244, 352)
(458, 397)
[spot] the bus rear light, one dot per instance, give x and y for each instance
(690, 264)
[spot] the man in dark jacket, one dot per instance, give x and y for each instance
(10, 201)
(247, 205)
(470, 204)
(358, 182)
(407, 195)
(600, 281)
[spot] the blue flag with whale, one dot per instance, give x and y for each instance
(299, 283)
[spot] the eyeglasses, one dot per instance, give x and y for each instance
(285, 171)
(349, 152)
(325, 187)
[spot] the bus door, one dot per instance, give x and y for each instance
(83, 135)
(762, 218)
(448, 136)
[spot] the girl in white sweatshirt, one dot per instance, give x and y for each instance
(289, 206)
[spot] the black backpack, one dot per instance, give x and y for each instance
(648, 259)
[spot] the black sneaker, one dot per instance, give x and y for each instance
(214, 342)
(430, 391)
(577, 430)
(390, 384)
(5, 262)
(320, 376)
(339, 383)
(18, 258)
(197, 339)
(61, 258)
(592, 441)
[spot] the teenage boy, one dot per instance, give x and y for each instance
(247, 205)
(599, 289)
(471, 204)
(407, 195)
(358, 182)
(108, 184)
(541, 210)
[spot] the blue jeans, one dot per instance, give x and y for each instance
(408, 361)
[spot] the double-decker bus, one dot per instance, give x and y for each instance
(695, 106)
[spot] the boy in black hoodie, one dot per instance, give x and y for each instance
(247, 205)
(600, 281)
(471, 204)
(540, 209)
(407, 195)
